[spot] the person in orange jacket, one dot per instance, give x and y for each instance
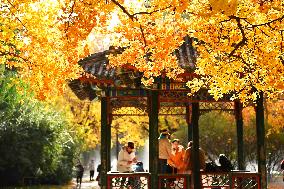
(176, 160)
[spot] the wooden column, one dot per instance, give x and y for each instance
(188, 121)
(105, 139)
(108, 141)
(153, 137)
(240, 135)
(195, 151)
(260, 134)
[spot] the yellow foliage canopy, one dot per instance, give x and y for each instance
(83, 116)
(239, 42)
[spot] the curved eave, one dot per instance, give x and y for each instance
(98, 65)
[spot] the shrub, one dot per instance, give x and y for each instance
(34, 140)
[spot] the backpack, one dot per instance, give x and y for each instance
(282, 164)
(139, 167)
(225, 163)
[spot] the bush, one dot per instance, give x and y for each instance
(34, 140)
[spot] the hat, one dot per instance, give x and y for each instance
(164, 131)
(130, 145)
(176, 140)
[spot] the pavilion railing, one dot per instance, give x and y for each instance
(215, 180)
(230, 180)
(245, 180)
(128, 180)
(176, 181)
(209, 180)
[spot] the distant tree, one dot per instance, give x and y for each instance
(218, 135)
(84, 117)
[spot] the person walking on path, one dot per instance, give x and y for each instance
(176, 160)
(92, 170)
(165, 150)
(79, 172)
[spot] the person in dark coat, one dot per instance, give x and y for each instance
(99, 175)
(79, 172)
(92, 169)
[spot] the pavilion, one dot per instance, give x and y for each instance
(121, 87)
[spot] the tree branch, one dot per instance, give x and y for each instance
(69, 17)
(132, 16)
(255, 27)
(15, 15)
(143, 36)
(244, 39)
(123, 9)
(150, 13)
(268, 23)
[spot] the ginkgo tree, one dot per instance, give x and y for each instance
(35, 40)
(239, 42)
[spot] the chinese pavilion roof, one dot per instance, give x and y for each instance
(96, 66)
(124, 83)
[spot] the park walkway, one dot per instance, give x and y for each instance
(86, 183)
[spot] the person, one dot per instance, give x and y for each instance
(188, 160)
(165, 150)
(176, 159)
(225, 163)
(79, 172)
(92, 170)
(99, 175)
(126, 158)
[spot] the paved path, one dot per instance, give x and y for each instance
(86, 183)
